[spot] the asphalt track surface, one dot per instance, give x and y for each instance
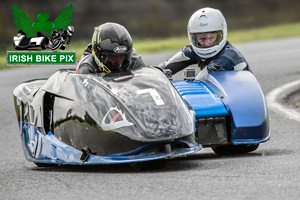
(270, 172)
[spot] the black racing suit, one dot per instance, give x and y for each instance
(87, 64)
(229, 58)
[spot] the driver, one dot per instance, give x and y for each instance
(110, 51)
(209, 48)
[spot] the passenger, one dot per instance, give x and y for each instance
(209, 48)
(110, 51)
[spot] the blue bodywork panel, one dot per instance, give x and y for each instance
(40, 147)
(204, 101)
(233, 93)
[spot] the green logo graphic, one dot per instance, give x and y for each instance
(43, 33)
(44, 26)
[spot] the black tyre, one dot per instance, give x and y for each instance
(45, 165)
(149, 165)
(44, 44)
(155, 164)
(234, 149)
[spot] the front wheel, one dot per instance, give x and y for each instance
(234, 149)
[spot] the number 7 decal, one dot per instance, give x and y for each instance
(154, 94)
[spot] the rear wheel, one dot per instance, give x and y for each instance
(234, 149)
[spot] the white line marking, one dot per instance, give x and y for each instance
(274, 97)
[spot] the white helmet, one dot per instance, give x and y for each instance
(207, 20)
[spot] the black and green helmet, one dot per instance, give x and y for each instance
(111, 39)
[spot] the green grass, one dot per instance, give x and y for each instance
(144, 46)
(271, 32)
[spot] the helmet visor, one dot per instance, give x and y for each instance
(116, 62)
(115, 59)
(207, 39)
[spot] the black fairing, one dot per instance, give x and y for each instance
(113, 113)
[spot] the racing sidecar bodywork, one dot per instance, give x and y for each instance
(22, 42)
(91, 119)
(231, 113)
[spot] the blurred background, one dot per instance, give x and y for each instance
(151, 18)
